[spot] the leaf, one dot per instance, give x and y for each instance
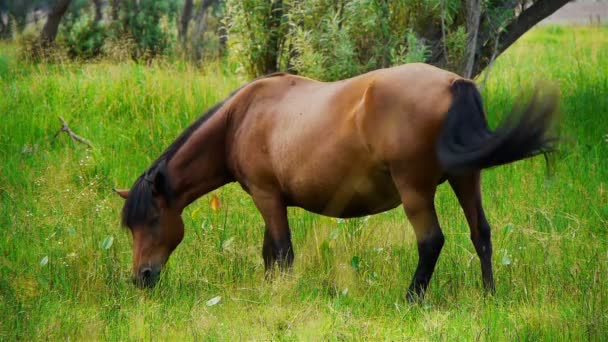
(506, 259)
(44, 261)
(509, 228)
(215, 202)
(107, 242)
(227, 243)
(213, 301)
(334, 234)
(354, 262)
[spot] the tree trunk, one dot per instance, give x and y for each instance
(273, 44)
(197, 33)
(49, 31)
(223, 40)
(200, 25)
(486, 46)
(115, 4)
(525, 20)
(473, 15)
(98, 13)
(384, 13)
(182, 29)
(5, 28)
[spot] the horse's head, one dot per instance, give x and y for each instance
(156, 227)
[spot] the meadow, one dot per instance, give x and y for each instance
(65, 260)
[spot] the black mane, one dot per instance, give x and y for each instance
(140, 202)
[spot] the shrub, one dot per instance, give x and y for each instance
(148, 23)
(84, 37)
(327, 39)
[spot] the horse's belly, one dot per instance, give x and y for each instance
(347, 197)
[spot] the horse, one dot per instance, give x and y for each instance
(343, 149)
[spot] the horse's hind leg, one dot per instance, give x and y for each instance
(467, 189)
(418, 202)
(277, 238)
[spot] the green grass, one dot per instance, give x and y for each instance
(349, 281)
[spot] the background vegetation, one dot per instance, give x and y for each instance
(325, 39)
(64, 261)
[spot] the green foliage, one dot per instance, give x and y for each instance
(83, 37)
(147, 23)
(414, 51)
(325, 39)
(335, 40)
(144, 27)
(206, 36)
(325, 54)
(455, 45)
(257, 31)
(328, 39)
(30, 49)
(18, 10)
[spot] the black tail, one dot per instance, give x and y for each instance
(467, 143)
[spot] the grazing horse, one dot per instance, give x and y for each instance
(350, 148)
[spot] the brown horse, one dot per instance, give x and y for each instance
(344, 149)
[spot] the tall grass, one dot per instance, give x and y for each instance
(64, 260)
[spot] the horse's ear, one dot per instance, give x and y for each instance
(122, 193)
(162, 185)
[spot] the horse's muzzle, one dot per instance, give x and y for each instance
(146, 277)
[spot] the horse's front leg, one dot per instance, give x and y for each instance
(277, 238)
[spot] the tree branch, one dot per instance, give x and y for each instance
(489, 68)
(473, 15)
(182, 28)
(74, 136)
(445, 50)
(528, 18)
(49, 31)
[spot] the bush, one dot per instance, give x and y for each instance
(327, 39)
(84, 37)
(147, 23)
(143, 30)
(256, 34)
(31, 50)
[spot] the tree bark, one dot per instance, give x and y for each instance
(5, 28)
(182, 31)
(273, 44)
(486, 47)
(473, 15)
(115, 4)
(384, 13)
(200, 25)
(527, 18)
(49, 31)
(98, 13)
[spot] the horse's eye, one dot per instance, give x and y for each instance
(153, 221)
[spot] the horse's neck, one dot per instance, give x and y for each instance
(199, 166)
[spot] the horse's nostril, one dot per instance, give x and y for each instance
(146, 273)
(146, 277)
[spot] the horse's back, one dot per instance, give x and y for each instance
(327, 146)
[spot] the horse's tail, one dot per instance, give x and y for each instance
(467, 143)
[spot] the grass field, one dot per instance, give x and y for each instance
(65, 261)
